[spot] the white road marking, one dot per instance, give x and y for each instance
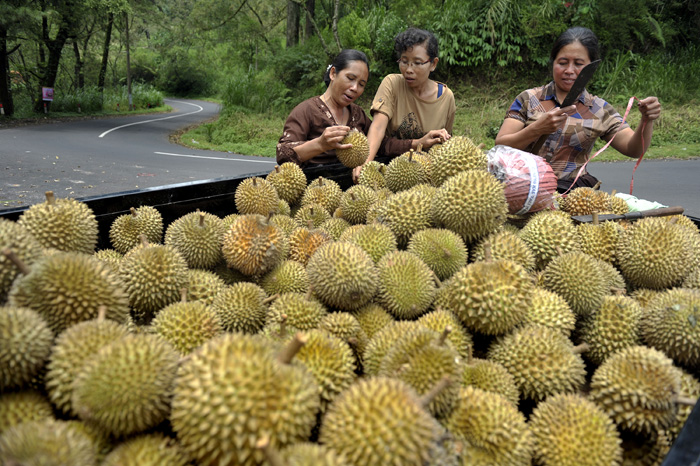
(157, 119)
(216, 158)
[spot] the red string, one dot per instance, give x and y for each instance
(624, 119)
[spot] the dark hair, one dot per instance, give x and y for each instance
(414, 36)
(342, 61)
(577, 34)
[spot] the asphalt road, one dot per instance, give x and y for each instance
(102, 156)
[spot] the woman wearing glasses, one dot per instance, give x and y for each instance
(410, 109)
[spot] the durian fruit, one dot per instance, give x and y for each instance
(601, 240)
(311, 454)
(147, 450)
(23, 406)
(442, 250)
(372, 175)
(197, 236)
(570, 430)
(471, 203)
(616, 325)
(655, 254)
(692, 281)
(618, 205)
(288, 277)
(297, 311)
(284, 222)
(323, 192)
(644, 296)
(15, 239)
(670, 324)
(46, 442)
(638, 387)
(508, 245)
(303, 243)
(254, 245)
(355, 202)
(227, 274)
(585, 201)
(372, 318)
(578, 279)
(64, 224)
(73, 348)
(550, 310)
(406, 284)
(375, 239)
(541, 360)
(346, 327)
(256, 195)
(440, 319)
(403, 173)
(283, 208)
(25, 344)
(126, 230)
(644, 449)
(154, 276)
(230, 220)
(241, 307)
(357, 154)
(335, 227)
(125, 387)
(490, 376)
(244, 377)
(187, 325)
(403, 432)
(422, 359)
(550, 233)
(616, 282)
(491, 428)
(425, 161)
(289, 180)
(382, 341)
(342, 275)
(315, 214)
(457, 154)
(330, 360)
(690, 388)
(203, 285)
(489, 297)
(405, 213)
(109, 256)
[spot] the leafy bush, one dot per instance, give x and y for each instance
(142, 96)
(302, 67)
(261, 92)
(179, 74)
(89, 99)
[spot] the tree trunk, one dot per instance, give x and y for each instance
(310, 16)
(292, 23)
(78, 69)
(335, 25)
(128, 62)
(5, 93)
(55, 48)
(105, 53)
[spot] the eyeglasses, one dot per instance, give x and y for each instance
(408, 64)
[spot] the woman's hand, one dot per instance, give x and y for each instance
(552, 120)
(332, 137)
(435, 136)
(356, 173)
(650, 108)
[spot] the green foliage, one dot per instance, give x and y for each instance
(260, 92)
(142, 96)
(180, 74)
(88, 99)
(302, 67)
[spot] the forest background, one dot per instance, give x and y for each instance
(259, 58)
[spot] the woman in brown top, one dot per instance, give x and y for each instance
(315, 127)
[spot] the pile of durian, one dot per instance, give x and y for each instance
(408, 320)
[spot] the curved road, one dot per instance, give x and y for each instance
(101, 156)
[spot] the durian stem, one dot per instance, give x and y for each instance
(612, 194)
(673, 220)
(277, 168)
(255, 181)
(597, 185)
(288, 352)
(271, 453)
(684, 400)
(596, 221)
(50, 198)
(183, 295)
(481, 146)
(283, 325)
(201, 219)
(559, 250)
(143, 239)
(443, 336)
(133, 212)
(442, 384)
(582, 348)
(19, 263)
(309, 293)
(268, 300)
(487, 252)
(101, 313)
(618, 291)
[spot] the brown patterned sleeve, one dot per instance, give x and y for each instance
(295, 132)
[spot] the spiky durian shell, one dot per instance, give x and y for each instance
(126, 230)
(505, 244)
(302, 312)
(600, 241)
(256, 195)
(372, 318)
(372, 175)
(570, 430)
(375, 239)
(271, 397)
(289, 180)
(692, 281)
(284, 222)
(64, 224)
(366, 407)
(655, 254)
(230, 219)
(288, 277)
(471, 203)
(406, 284)
(335, 227)
(254, 246)
(109, 256)
(313, 215)
(311, 454)
(490, 376)
(25, 344)
(17, 239)
(457, 154)
(71, 351)
(241, 308)
(197, 236)
(147, 450)
(358, 153)
(342, 275)
(585, 201)
(125, 388)
(671, 325)
(355, 202)
(187, 325)
(549, 233)
(541, 360)
(441, 320)
(203, 285)
(46, 442)
(442, 250)
(550, 310)
(23, 406)
(324, 192)
(690, 388)
(229, 275)
(382, 341)
(405, 213)
(488, 422)
(578, 279)
(644, 449)
(636, 387)
(303, 243)
(346, 327)
(403, 173)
